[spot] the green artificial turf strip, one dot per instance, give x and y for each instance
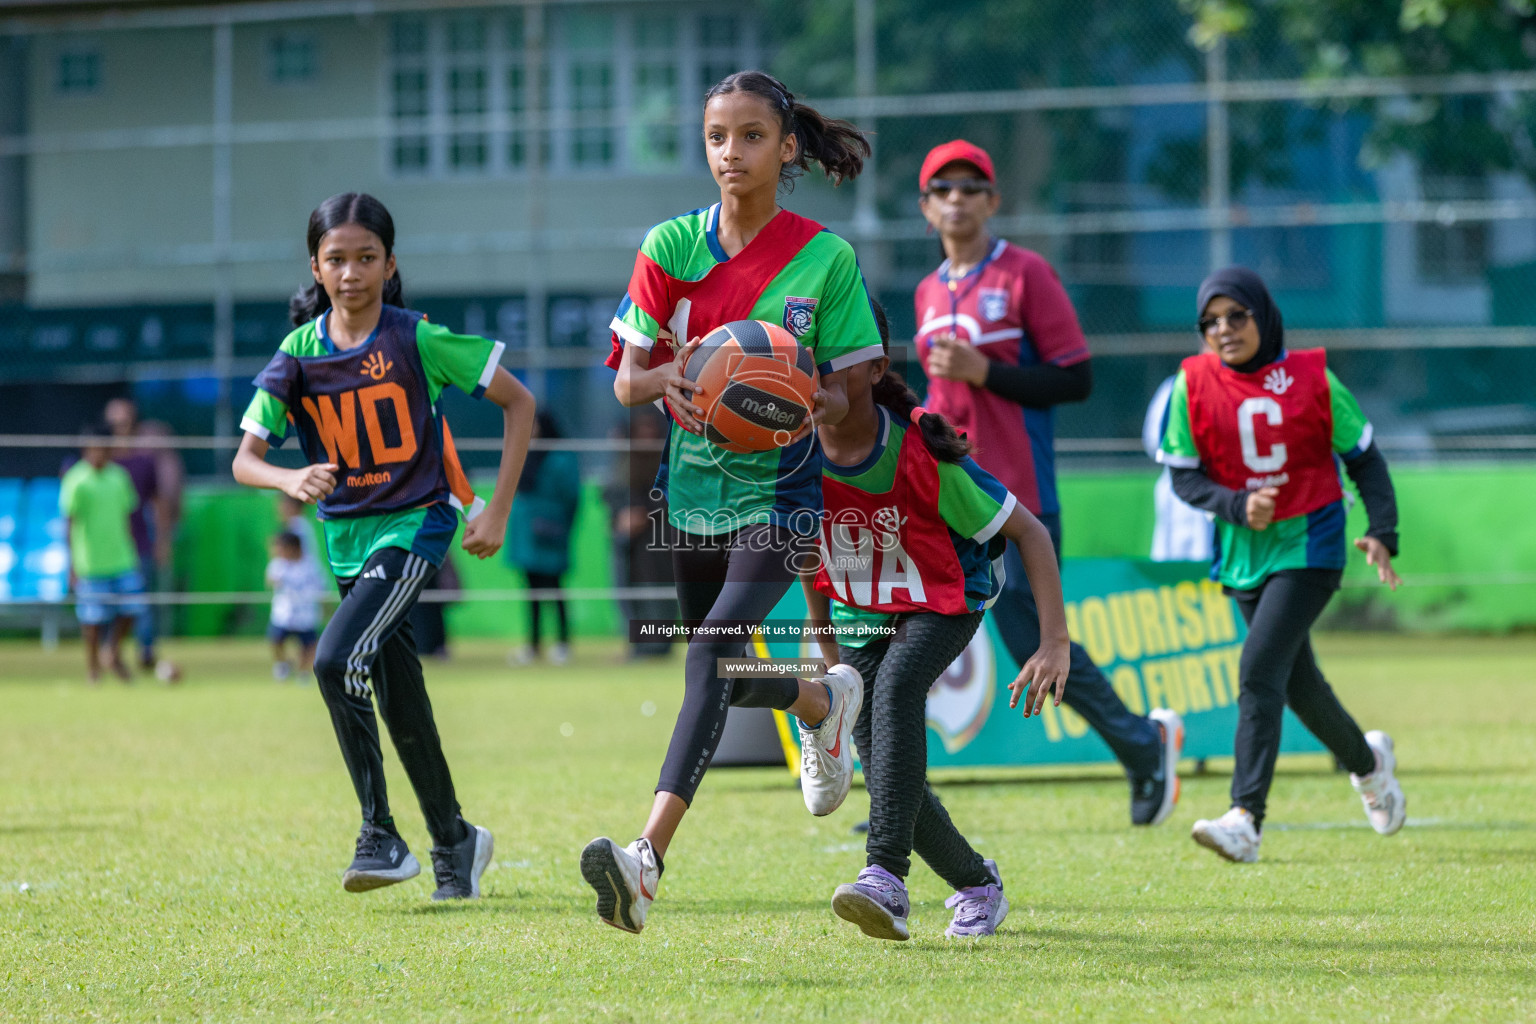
(175, 854)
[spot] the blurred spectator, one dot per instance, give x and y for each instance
(299, 519)
(638, 520)
(296, 588)
(157, 475)
(98, 497)
(539, 536)
(1182, 532)
(428, 618)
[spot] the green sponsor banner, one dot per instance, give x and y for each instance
(1162, 632)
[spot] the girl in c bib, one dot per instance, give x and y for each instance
(1255, 434)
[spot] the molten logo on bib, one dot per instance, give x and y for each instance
(1278, 381)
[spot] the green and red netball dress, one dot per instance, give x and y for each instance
(906, 532)
(372, 410)
(795, 273)
(1280, 427)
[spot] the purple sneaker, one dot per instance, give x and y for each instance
(877, 903)
(978, 909)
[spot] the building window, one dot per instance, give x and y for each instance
(612, 95)
(291, 58)
(79, 72)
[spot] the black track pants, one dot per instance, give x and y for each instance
(735, 577)
(1277, 669)
(905, 815)
(369, 650)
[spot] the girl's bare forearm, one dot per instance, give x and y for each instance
(517, 405)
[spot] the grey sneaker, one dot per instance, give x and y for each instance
(458, 867)
(382, 858)
(877, 903)
(978, 909)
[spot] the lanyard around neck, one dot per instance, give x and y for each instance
(971, 278)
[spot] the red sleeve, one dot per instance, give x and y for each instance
(1050, 322)
(650, 289)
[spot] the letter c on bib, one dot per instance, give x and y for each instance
(1270, 410)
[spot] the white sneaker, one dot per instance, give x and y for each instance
(560, 654)
(826, 752)
(1232, 835)
(522, 657)
(1385, 805)
(626, 879)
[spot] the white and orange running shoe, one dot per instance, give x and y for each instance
(626, 879)
(826, 752)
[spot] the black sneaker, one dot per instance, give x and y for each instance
(1154, 798)
(382, 859)
(458, 867)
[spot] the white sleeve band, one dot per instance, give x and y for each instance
(490, 365)
(989, 531)
(854, 358)
(250, 426)
(1366, 436)
(631, 335)
(1178, 461)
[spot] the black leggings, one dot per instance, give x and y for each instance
(368, 649)
(546, 581)
(1278, 668)
(732, 578)
(892, 739)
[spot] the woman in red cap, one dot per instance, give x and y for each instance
(1001, 344)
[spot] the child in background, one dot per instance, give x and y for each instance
(296, 587)
(97, 496)
(299, 520)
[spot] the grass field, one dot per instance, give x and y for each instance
(176, 855)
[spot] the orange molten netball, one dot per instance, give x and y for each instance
(758, 382)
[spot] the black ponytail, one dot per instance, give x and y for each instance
(838, 146)
(945, 442)
(347, 208)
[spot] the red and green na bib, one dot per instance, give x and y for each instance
(904, 532)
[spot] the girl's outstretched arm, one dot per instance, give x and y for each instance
(1046, 670)
(484, 534)
(307, 484)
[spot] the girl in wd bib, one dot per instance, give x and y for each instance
(911, 542)
(359, 382)
(741, 525)
(1254, 435)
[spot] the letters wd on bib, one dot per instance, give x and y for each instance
(1164, 634)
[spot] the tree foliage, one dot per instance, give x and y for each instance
(1451, 135)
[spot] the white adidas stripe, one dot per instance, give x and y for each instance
(367, 645)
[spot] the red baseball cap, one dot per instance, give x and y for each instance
(949, 152)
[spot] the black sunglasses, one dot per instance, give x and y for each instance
(1236, 320)
(942, 187)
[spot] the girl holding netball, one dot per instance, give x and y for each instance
(912, 540)
(359, 381)
(1255, 433)
(741, 525)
